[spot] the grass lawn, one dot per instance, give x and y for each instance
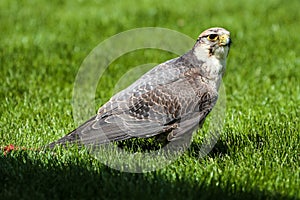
(42, 46)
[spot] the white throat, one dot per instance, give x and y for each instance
(214, 64)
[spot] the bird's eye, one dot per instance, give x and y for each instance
(212, 37)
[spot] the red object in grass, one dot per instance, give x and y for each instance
(11, 147)
(8, 149)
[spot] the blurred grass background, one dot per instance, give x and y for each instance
(43, 44)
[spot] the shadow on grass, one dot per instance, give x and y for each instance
(225, 146)
(25, 176)
(221, 148)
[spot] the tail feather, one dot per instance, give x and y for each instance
(93, 132)
(72, 137)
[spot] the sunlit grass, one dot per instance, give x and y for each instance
(42, 46)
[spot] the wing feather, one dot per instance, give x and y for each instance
(168, 98)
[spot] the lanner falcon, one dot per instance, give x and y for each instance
(172, 99)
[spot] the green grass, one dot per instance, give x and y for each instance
(42, 46)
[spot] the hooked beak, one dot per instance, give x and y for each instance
(224, 40)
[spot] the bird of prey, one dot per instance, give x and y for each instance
(172, 99)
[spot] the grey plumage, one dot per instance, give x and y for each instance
(173, 98)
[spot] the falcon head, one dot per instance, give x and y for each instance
(213, 42)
